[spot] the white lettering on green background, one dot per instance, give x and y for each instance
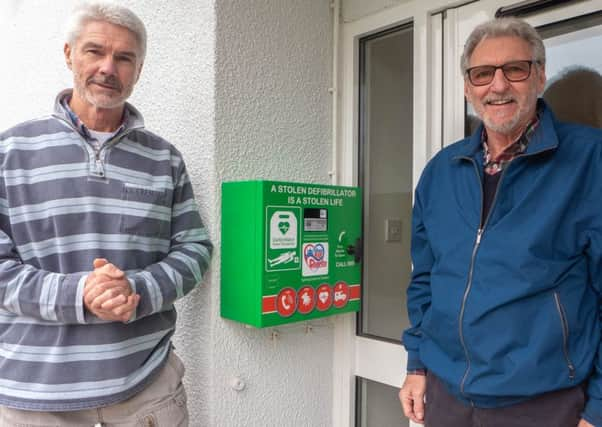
(313, 191)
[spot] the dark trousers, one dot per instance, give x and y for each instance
(555, 409)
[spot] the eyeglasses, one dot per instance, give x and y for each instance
(515, 71)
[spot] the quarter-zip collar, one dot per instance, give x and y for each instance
(132, 118)
(543, 139)
(97, 155)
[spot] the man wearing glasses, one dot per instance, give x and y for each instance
(507, 255)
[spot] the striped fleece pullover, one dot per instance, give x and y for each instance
(62, 204)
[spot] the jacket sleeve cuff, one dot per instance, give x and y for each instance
(134, 312)
(414, 362)
(70, 299)
(593, 412)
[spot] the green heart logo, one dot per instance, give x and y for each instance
(283, 226)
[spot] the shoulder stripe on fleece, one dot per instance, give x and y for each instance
(47, 173)
(39, 142)
(79, 169)
(139, 178)
(143, 151)
(48, 296)
(174, 276)
(9, 319)
(184, 207)
(80, 353)
(78, 205)
(193, 235)
(82, 390)
(191, 263)
(154, 290)
(59, 245)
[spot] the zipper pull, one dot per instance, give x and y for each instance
(479, 234)
(99, 166)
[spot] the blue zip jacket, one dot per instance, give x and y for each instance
(509, 309)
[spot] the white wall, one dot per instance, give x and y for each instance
(273, 72)
(241, 88)
(176, 96)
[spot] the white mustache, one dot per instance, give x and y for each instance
(109, 81)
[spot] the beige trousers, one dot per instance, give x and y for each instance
(161, 404)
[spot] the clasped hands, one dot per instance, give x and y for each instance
(108, 294)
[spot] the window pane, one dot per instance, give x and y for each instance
(574, 70)
(378, 405)
(386, 176)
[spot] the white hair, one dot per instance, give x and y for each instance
(502, 27)
(105, 12)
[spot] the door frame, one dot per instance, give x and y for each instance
(353, 355)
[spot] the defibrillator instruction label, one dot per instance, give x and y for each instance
(283, 230)
(282, 238)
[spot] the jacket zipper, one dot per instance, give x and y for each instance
(464, 298)
(565, 335)
(475, 248)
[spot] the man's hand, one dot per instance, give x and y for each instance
(107, 293)
(106, 287)
(411, 397)
(584, 423)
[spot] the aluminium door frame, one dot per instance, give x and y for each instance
(354, 355)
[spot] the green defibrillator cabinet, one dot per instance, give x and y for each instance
(290, 252)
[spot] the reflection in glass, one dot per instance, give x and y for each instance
(575, 95)
(386, 175)
(574, 70)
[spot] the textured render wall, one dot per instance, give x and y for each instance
(33, 69)
(176, 96)
(273, 72)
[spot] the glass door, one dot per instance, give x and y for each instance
(380, 153)
(385, 174)
(389, 129)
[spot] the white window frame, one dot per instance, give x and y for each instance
(354, 356)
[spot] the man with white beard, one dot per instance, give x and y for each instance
(99, 236)
(504, 300)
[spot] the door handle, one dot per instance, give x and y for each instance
(357, 250)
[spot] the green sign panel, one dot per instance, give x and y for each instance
(289, 251)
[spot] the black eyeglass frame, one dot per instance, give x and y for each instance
(501, 67)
